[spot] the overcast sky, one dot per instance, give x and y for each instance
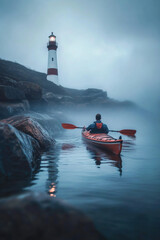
(109, 44)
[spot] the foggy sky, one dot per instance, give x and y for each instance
(109, 44)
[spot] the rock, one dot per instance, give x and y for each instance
(31, 90)
(19, 153)
(51, 121)
(77, 97)
(86, 93)
(90, 96)
(90, 92)
(8, 93)
(4, 80)
(51, 97)
(67, 99)
(8, 109)
(40, 105)
(37, 216)
(18, 72)
(32, 128)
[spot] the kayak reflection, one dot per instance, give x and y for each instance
(128, 145)
(66, 146)
(100, 156)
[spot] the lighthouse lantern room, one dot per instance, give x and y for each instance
(52, 73)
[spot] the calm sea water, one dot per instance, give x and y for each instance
(120, 194)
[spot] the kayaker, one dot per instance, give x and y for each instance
(98, 126)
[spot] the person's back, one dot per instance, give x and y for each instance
(98, 126)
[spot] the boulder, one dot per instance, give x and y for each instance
(31, 90)
(8, 109)
(31, 127)
(8, 93)
(38, 216)
(51, 122)
(19, 153)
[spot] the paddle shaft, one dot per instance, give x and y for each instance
(124, 131)
(114, 131)
(109, 130)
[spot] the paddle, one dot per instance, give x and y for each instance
(129, 132)
(69, 126)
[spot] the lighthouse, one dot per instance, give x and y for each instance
(52, 73)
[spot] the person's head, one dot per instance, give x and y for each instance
(98, 116)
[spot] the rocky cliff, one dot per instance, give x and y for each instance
(23, 89)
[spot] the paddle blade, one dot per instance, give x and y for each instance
(129, 132)
(68, 126)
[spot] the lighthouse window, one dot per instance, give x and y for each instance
(52, 59)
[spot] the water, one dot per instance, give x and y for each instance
(120, 194)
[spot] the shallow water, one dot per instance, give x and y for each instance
(121, 194)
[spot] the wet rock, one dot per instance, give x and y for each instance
(19, 153)
(8, 93)
(31, 90)
(8, 109)
(51, 122)
(31, 127)
(37, 216)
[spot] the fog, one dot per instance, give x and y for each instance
(114, 118)
(107, 44)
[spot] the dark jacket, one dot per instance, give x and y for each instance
(98, 127)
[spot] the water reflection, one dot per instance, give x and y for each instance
(18, 184)
(12, 186)
(52, 158)
(52, 190)
(129, 145)
(100, 157)
(67, 146)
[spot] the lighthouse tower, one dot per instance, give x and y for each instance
(52, 73)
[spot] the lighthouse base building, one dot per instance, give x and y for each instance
(52, 72)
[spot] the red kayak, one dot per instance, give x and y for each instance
(103, 141)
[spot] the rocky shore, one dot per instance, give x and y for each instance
(19, 152)
(25, 97)
(22, 139)
(22, 89)
(34, 214)
(31, 112)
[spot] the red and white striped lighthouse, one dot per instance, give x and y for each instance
(52, 73)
